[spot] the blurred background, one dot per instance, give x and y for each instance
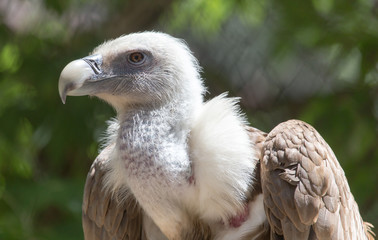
(311, 60)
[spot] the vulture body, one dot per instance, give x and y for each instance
(176, 167)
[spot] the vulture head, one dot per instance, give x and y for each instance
(140, 69)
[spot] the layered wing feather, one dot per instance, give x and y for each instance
(306, 194)
(104, 217)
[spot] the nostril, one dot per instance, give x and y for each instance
(95, 62)
(94, 65)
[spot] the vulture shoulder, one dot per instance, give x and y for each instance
(306, 194)
(104, 216)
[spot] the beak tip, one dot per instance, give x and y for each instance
(72, 77)
(63, 97)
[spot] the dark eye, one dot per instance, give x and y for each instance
(136, 58)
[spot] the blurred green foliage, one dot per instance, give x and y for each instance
(46, 148)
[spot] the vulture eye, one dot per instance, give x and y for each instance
(136, 58)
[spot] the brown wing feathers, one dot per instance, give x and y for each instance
(103, 216)
(306, 194)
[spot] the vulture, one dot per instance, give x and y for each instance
(176, 167)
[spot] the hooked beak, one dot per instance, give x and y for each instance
(76, 74)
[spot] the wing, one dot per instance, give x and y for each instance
(103, 216)
(306, 194)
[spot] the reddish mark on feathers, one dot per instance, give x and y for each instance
(192, 180)
(238, 220)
